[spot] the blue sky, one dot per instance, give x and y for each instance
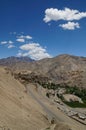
(42, 28)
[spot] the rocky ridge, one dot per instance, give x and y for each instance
(63, 69)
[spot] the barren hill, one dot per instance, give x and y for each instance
(63, 69)
(11, 61)
(18, 111)
(23, 108)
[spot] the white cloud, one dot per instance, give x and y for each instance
(33, 50)
(4, 42)
(7, 42)
(66, 14)
(20, 40)
(10, 42)
(25, 37)
(30, 46)
(70, 25)
(28, 37)
(19, 54)
(11, 46)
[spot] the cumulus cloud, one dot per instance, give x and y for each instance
(66, 14)
(33, 50)
(25, 37)
(11, 46)
(4, 42)
(70, 25)
(10, 42)
(20, 40)
(7, 42)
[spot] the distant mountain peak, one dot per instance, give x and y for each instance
(13, 60)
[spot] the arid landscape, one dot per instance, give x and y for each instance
(30, 99)
(62, 69)
(42, 64)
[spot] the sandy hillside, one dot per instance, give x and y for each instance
(18, 111)
(24, 109)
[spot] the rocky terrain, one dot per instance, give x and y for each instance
(23, 103)
(18, 111)
(63, 69)
(11, 61)
(23, 108)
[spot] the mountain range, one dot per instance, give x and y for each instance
(10, 61)
(63, 69)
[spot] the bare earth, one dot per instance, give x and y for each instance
(18, 111)
(26, 109)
